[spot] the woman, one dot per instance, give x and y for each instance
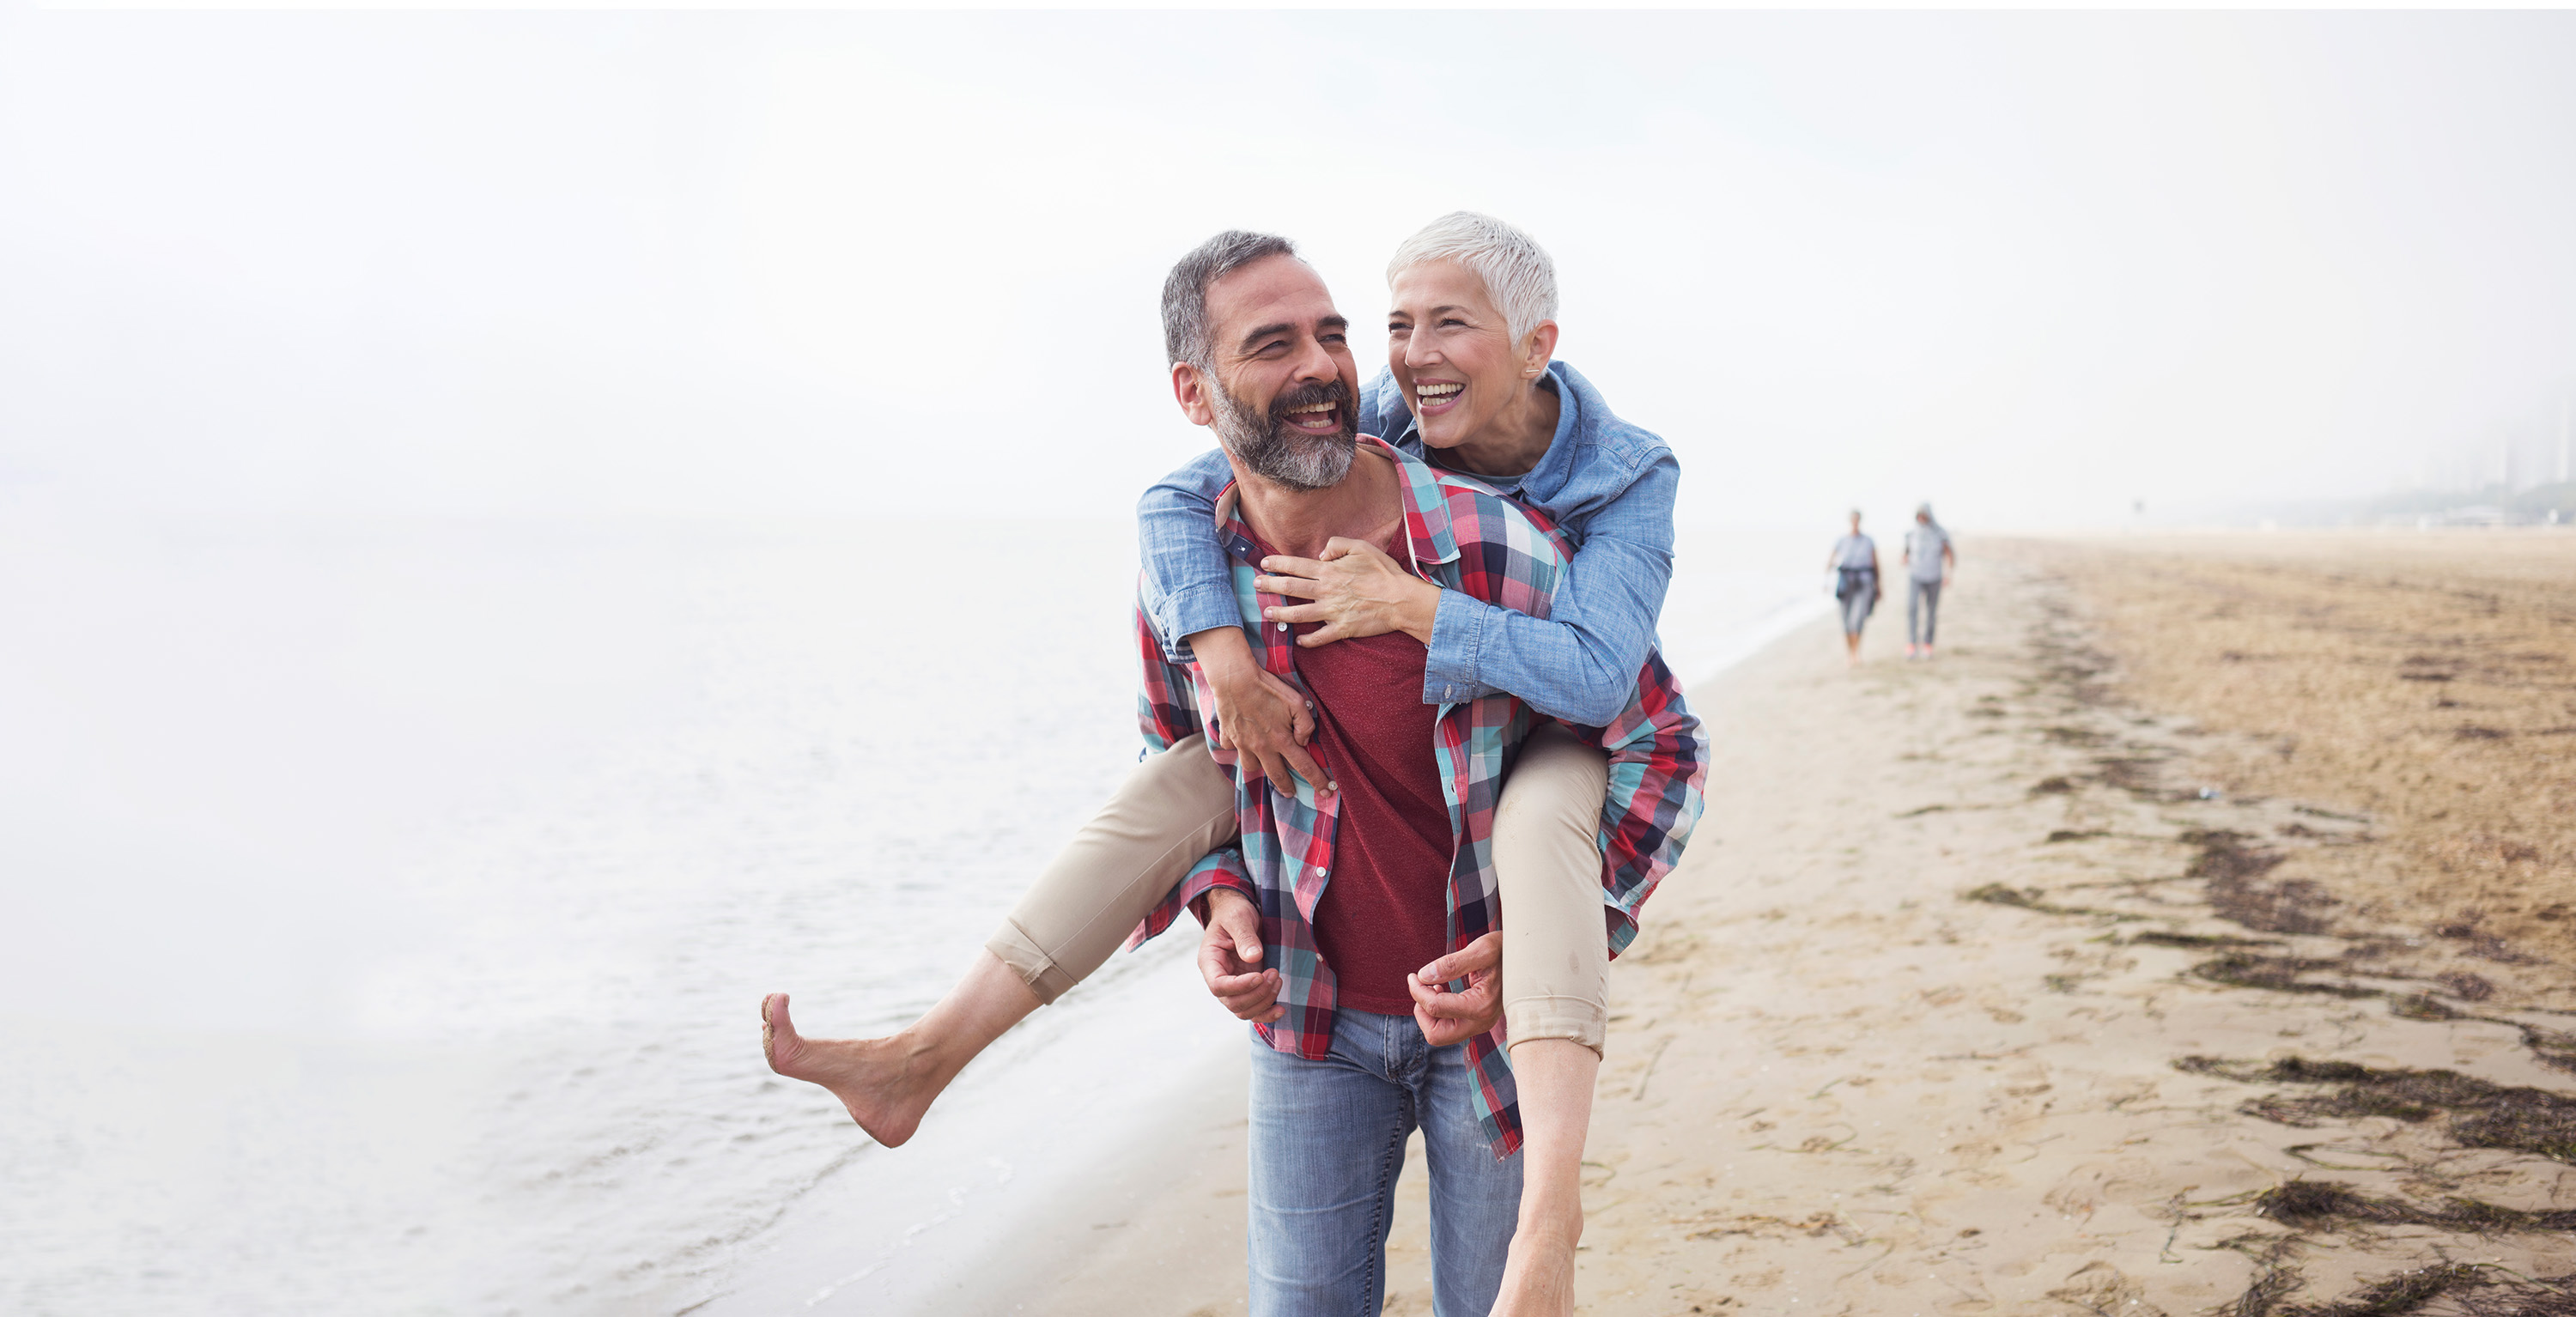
(1854, 563)
(1472, 384)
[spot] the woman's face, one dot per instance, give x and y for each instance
(1452, 352)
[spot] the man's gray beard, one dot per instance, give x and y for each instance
(1269, 448)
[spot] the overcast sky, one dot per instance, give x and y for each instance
(2030, 266)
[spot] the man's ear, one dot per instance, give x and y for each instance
(1538, 347)
(1189, 389)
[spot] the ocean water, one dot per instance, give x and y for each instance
(385, 906)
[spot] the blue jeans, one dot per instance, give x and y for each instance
(1327, 1142)
(1924, 600)
(1857, 591)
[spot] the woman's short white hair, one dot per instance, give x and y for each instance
(1517, 272)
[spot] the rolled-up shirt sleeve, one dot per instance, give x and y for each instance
(1188, 587)
(1580, 662)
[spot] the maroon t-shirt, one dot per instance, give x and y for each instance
(1385, 909)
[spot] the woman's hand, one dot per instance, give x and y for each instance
(1454, 1017)
(1356, 591)
(1262, 719)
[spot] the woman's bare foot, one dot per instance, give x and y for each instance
(887, 1083)
(1538, 1274)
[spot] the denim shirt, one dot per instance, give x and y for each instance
(1608, 486)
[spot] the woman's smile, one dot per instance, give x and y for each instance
(1436, 397)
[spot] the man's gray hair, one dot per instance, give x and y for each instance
(1518, 275)
(1185, 328)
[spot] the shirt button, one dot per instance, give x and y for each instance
(1319, 871)
(1283, 626)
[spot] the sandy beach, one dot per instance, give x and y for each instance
(523, 537)
(2038, 979)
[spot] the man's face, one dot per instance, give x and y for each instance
(1286, 398)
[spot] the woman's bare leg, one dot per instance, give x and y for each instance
(1175, 808)
(1554, 1076)
(1547, 865)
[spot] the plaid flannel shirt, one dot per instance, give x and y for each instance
(1461, 536)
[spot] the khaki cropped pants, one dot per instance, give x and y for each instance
(1179, 805)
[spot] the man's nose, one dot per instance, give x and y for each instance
(1315, 363)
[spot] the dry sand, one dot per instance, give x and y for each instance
(2427, 680)
(1939, 1017)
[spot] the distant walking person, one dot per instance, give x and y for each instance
(1854, 563)
(1928, 561)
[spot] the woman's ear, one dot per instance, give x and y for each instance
(1538, 347)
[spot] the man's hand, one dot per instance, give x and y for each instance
(1357, 591)
(1454, 1017)
(1258, 716)
(1230, 958)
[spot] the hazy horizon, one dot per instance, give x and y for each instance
(2033, 267)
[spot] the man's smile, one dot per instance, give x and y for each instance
(1316, 417)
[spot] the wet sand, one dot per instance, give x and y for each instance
(1987, 991)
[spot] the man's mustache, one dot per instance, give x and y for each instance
(1307, 395)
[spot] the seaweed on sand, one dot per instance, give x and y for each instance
(2267, 1291)
(2421, 1006)
(2553, 1048)
(2402, 1293)
(2550, 1296)
(2471, 1291)
(2305, 1203)
(2242, 969)
(2483, 1114)
(2028, 898)
(2544, 1123)
(2316, 1202)
(2224, 854)
(2140, 776)
(2196, 941)
(2236, 872)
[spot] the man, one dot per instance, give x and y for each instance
(1928, 559)
(1317, 920)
